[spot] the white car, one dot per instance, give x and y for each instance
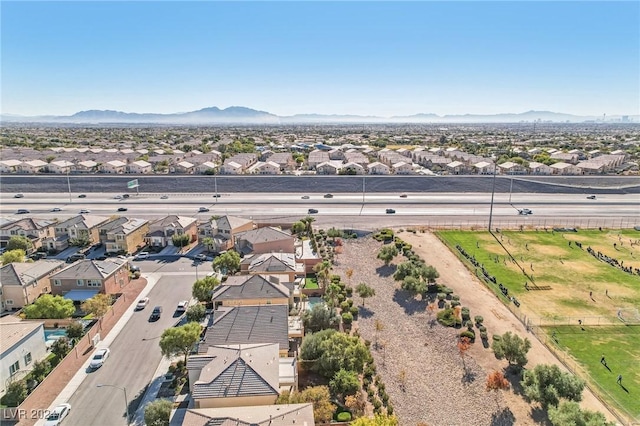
(118, 197)
(142, 255)
(58, 414)
(182, 306)
(99, 358)
(85, 211)
(56, 209)
(142, 303)
(201, 257)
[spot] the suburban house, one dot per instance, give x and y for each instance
(352, 168)
(223, 230)
(264, 240)
(35, 231)
(282, 265)
(252, 290)
(511, 168)
(87, 166)
(10, 166)
(33, 166)
(331, 167)
(402, 168)
(60, 166)
(284, 160)
(564, 169)
(23, 344)
(483, 168)
(238, 163)
(263, 415)
(456, 168)
(114, 167)
(206, 167)
(81, 227)
(536, 168)
(140, 167)
(184, 167)
(565, 157)
(240, 375)
(316, 158)
(265, 168)
(124, 235)
(161, 231)
(245, 325)
(84, 279)
(22, 283)
(378, 168)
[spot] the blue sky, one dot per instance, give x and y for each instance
(367, 58)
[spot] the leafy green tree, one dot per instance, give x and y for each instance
(307, 224)
(546, 384)
(19, 242)
(75, 330)
(403, 270)
(310, 349)
(195, 313)
(80, 242)
(430, 274)
(228, 261)
(387, 253)
(203, 288)
(40, 369)
(16, 393)
(179, 340)
(512, 348)
(158, 412)
(181, 240)
(323, 270)
(344, 383)
(414, 285)
(364, 291)
(568, 413)
(97, 306)
(319, 396)
(298, 227)
(341, 351)
(12, 256)
(320, 318)
(61, 347)
(48, 306)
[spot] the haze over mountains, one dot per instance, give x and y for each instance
(243, 115)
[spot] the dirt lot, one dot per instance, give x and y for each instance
(438, 391)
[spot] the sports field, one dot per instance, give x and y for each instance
(568, 291)
(619, 346)
(574, 283)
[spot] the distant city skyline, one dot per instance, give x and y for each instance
(362, 58)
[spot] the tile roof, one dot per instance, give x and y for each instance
(249, 287)
(89, 269)
(26, 273)
(264, 235)
(248, 324)
(267, 415)
(237, 370)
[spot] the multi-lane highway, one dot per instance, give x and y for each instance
(342, 209)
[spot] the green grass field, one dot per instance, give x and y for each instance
(619, 345)
(572, 274)
(311, 282)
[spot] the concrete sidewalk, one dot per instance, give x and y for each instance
(80, 375)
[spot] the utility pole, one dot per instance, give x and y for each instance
(493, 191)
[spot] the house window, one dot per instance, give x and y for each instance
(14, 368)
(80, 283)
(14, 232)
(57, 283)
(9, 302)
(94, 283)
(27, 359)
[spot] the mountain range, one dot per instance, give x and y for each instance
(243, 115)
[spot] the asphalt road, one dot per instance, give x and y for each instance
(135, 352)
(194, 184)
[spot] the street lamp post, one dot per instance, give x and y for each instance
(126, 401)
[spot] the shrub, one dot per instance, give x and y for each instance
(483, 335)
(385, 398)
(354, 311)
(482, 329)
(345, 416)
(366, 381)
(478, 319)
(371, 393)
(389, 409)
(446, 290)
(349, 291)
(497, 337)
(377, 405)
(350, 301)
(344, 306)
(455, 303)
(446, 317)
(469, 325)
(441, 296)
(455, 297)
(469, 334)
(347, 318)
(381, 388)
(466, 316)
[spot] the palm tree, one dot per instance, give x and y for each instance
(207, 242)
(307, 222)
